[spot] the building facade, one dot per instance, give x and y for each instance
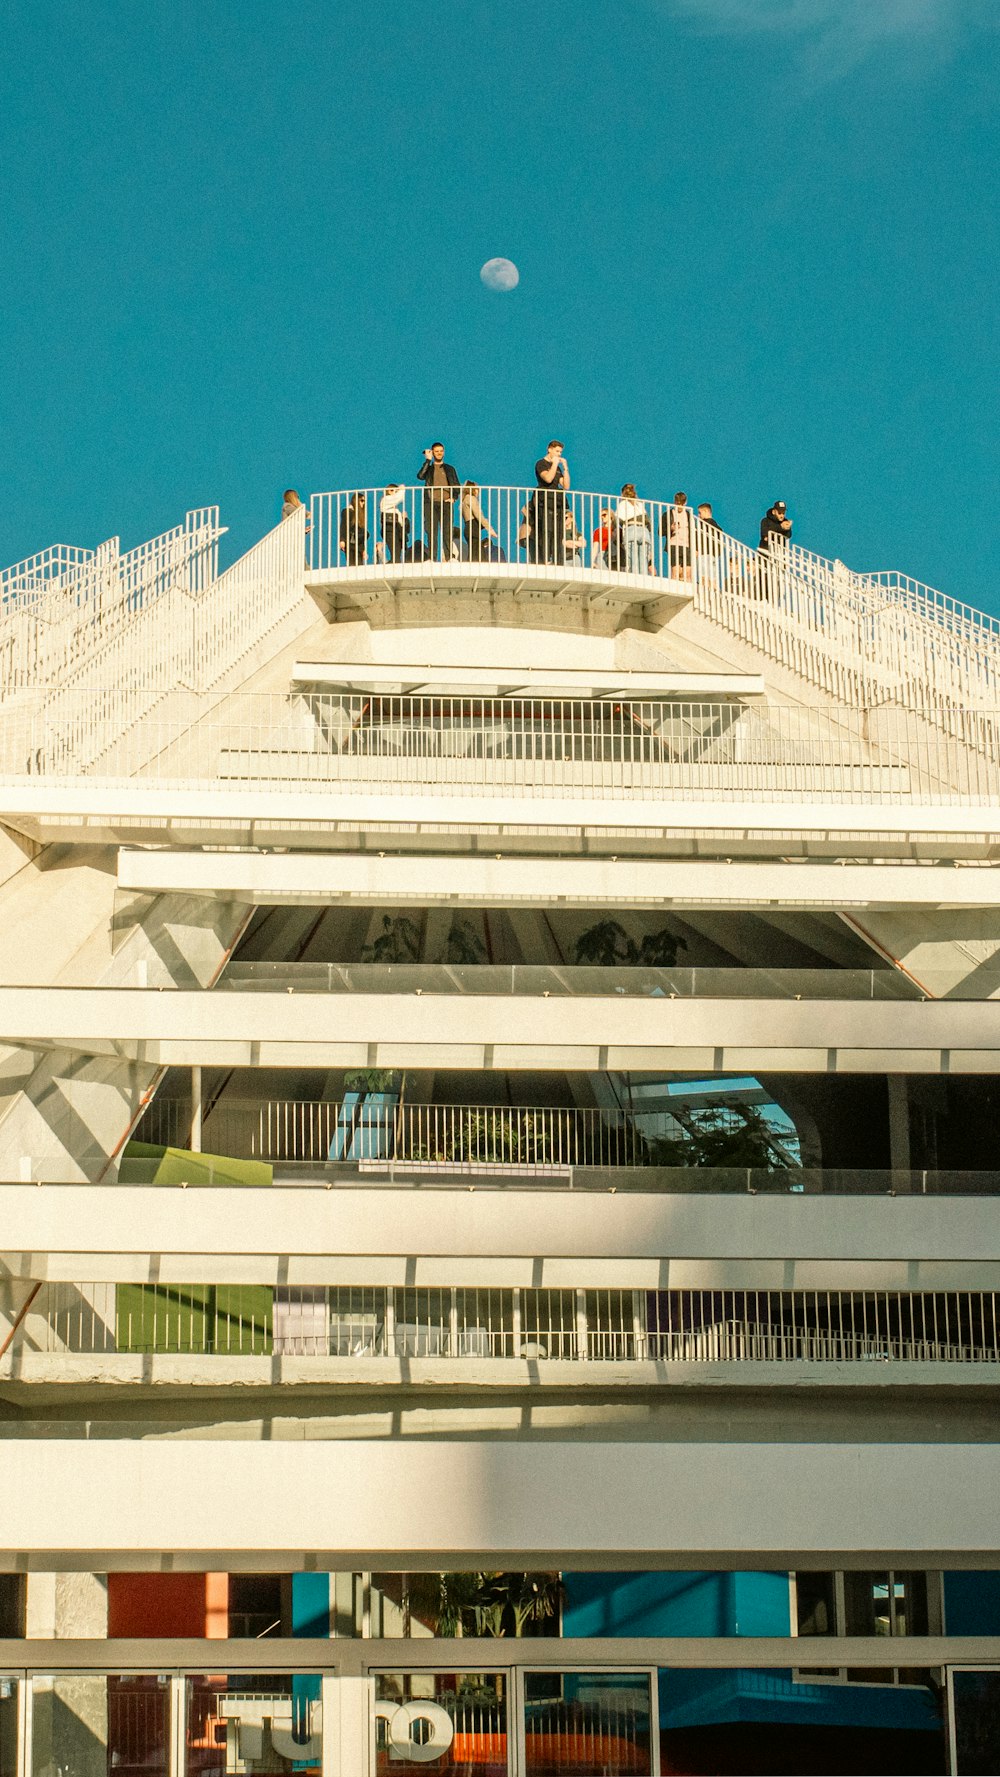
(498, 1154)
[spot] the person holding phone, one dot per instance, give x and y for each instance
(548, 519)
(440, 488)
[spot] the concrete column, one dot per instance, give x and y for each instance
(899, 1122)
(197, 1110)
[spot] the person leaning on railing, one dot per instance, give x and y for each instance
(634, 530)
(775, 535)
(394, 524)
(291, 503)
(476, 527)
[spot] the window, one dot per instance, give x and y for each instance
(889, 1602)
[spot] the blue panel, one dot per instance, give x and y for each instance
(732, 1604)
(703, 1699)
(676, 1604)
(648, 1604)
(763, 1604)
(311, 1604)
(972, 1603)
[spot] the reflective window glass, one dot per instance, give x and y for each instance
(89, 1724)
(242, 1726)
(577, 1723)
(976, 1722)
(426, 1721)
(8, 1727)
(816, 1603)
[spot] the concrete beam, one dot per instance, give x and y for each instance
(142, 809)
(325, 878)
(259, 1029)
(458, 679)
(294, 1233)
(392, 1505)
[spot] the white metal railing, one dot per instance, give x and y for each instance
(27, 582)
(528, 1137)
(634, 543)
(635, 748)
(562, 1325)
(89, 619)
(864, 638)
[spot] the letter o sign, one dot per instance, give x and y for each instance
(418, 1732)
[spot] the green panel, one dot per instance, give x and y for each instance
(199, 1317)
(143, 1163)
(161, 1317)
(243, 1318)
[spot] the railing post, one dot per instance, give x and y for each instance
(197, 1110)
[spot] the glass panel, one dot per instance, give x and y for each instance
(816, 1603)
(977, 1723)
(577, 1723)
(428, 1721)
(910, 1594)
(246, 1725)
(8, 1727)
(866, 1604)
(87, 1725)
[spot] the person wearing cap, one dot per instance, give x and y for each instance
(775, 534)
(440, 488)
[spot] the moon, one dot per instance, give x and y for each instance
(500, 274)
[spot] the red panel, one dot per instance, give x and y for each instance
(148, 1604)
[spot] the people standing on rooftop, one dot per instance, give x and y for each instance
(353, 531)
(775, 526)
(394, 522)
(634, 530)
(290, 503)
(547, 538)
(675, 530)
(440, 482)
(605, 541)
(708, 544)
(775, 535)
(574, 541)
(475, 525)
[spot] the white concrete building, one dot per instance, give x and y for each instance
(498, 1080)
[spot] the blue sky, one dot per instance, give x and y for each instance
(757, 239)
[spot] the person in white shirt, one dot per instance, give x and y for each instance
(394, 523)
(634, 531)
(680, 538)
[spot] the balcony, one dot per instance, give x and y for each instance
(657, 750)
(371, 1335)
(360, 1140)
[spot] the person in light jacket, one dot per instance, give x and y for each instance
(634, 531)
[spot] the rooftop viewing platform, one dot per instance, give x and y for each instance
(130, 682)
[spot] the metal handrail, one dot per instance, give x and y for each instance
(860, 637)
(602, 1325)
(560, 980)
(66, 612)
(361, 744)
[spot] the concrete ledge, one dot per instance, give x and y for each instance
(388, 1505)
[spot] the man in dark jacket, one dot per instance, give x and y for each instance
(440, 485)
(775, 533)
(775, 526)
